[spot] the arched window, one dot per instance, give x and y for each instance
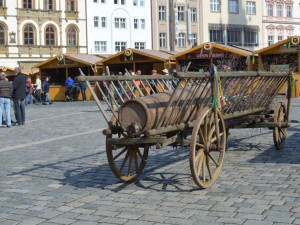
(28, 35)
(2, 35)
(49, 4)
(50, 36)
(27, 4)
(72, 36)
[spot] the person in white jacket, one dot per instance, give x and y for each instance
(38, 86)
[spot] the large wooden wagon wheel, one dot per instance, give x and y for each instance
(126, 162)
(207, 148)
(279, 133)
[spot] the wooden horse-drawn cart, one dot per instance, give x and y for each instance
(197, 112)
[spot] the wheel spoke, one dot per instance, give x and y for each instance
(120, 153)
(140, 154)
(199, 153)
(199, 145)
(203, 170)
(215, 138)
(124, 162)
(130, 163)
(200, 164)
(205, 129)
(136, 162)
(208, 167)
(213, 128)
(213, 159)
(281, 117)
(201, 135)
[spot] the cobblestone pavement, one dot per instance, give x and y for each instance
(54, 170)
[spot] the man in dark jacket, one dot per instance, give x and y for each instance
(19, 95)
(6, 90)
(45, 89)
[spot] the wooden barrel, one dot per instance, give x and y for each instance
(145, 112)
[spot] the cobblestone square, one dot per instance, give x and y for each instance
(54, 170)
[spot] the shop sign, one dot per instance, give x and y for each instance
(291, 48)
(207, 55)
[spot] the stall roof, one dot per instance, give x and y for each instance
(84, 59)
(12, 70)
(155, 54)
(229, 48)
(276, 47)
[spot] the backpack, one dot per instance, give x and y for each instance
(28, 86)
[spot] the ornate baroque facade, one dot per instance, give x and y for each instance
(281, 19)
(34, 30)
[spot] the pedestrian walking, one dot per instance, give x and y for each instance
(82, 90)
(19, 95)
(29, 91)
(38, 87)
(45, 89)
(6, 91)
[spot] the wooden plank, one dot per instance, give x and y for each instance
(131, 141)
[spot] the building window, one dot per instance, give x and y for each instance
(270, 40)
(48, 4)
(181, 40)
(193, 14)
(162, 40)
(100, 46)
(95, 1)
(181, 13)
(96, 21)
(234, 37)
(215, 5)
(72, 34)
(27, 4)
(142, 3)
(280, 38)
(279, 10)
(136, 24)
(2, 35)
(139, 45)
(116, 2)
(29, 35)
(270, 10)
(162, 12)
(233, 6)
(120, 46)
(50, 36)
(216, 33)
(142, 24)
(193, 40)
(1, 4)
(71, 5)
(251, 36)
(289, 11)
(122, 2)
(135, 2)
(102, 1)
(250, 7)
(103, 22)
(120, 23)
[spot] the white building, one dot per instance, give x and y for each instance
(281, 19)
(114, 25)
(34, 30)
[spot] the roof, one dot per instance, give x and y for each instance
(12, 69)
(155, 54)
(230, 48)
(31, 71)
(81, 58)
(278, 44)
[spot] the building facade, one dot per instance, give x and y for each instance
(115, 25)
(281, 20)
(232, 22)
(176, 24)
(34, 30)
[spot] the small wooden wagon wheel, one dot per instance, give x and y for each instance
(126, 162)
(279, 133)
(207, 148)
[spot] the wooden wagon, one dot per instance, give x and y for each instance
(183, 111)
